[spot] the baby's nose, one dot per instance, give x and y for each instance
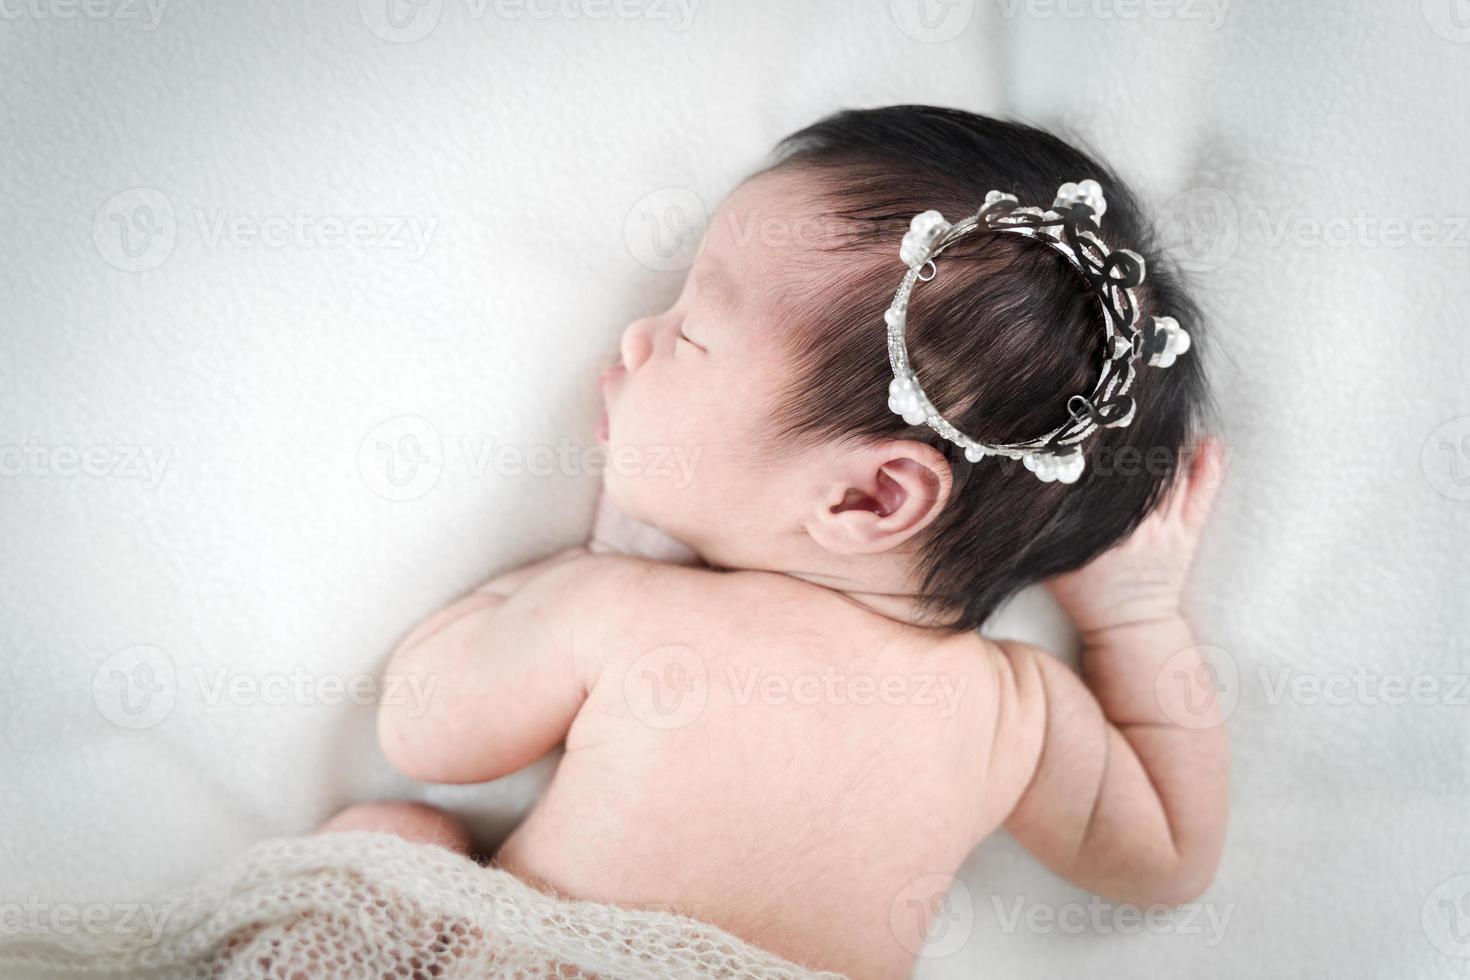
(637, 343)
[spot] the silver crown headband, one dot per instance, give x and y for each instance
(1070, 225)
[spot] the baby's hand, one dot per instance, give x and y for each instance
(1142, 579)
(1132, 783)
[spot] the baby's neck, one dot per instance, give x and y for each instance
(900, 606)
(888, 595)
(881, 584)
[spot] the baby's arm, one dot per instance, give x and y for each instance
(491, 683)
(499, 670)
(1130, 793)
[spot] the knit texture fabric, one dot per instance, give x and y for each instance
(366, 905)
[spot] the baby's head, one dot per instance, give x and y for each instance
(770, 373)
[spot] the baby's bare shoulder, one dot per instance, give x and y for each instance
(639, 601)
(617, 579)
(629, 603)
(616, 594)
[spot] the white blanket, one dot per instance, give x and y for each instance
(280, 281)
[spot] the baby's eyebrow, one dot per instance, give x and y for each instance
(713, 280)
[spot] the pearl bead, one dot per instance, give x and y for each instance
(925, 222)
(1087, 192)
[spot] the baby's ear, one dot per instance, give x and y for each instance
(874, 498)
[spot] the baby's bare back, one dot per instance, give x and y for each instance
(772, 758)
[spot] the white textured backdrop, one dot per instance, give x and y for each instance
(278, 281)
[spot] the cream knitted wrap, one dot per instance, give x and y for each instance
(360, 905)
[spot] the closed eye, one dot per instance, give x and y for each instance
(690, 342)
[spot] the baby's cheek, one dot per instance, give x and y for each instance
(675, 416)
(652, 489)
(681, 442)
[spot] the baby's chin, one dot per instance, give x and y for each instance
(634, 529)
(633, 501)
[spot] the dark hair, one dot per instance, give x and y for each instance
(1006, 332)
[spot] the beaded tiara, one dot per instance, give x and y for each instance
(1070, 225)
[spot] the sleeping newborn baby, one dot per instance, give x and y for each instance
(923, 359)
